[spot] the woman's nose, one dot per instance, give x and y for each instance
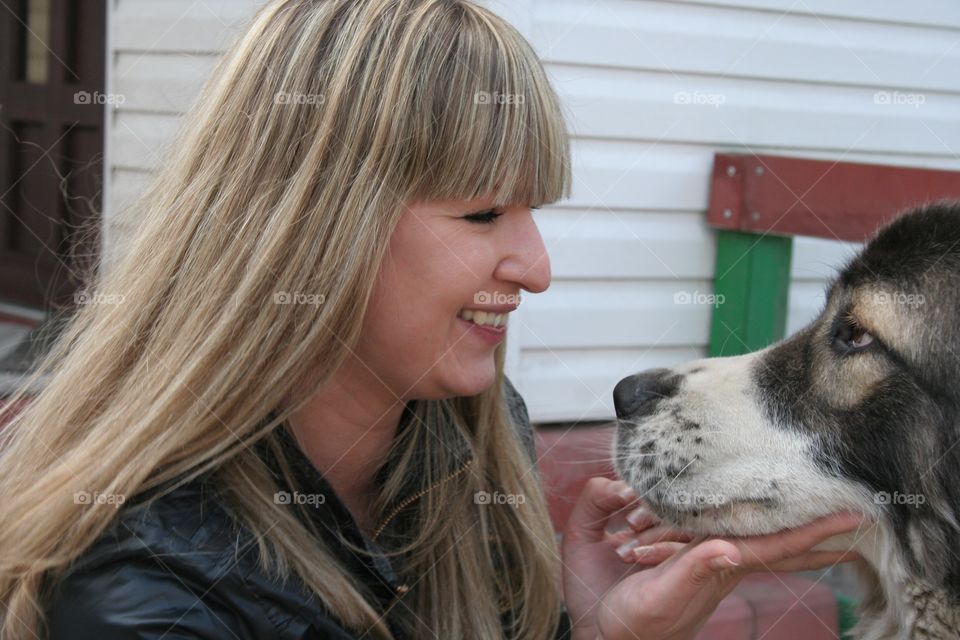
(525, 261)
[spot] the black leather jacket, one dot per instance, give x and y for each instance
(180, 570)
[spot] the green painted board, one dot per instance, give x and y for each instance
(751, 288)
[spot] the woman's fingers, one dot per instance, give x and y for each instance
(632, 552)
(642, 518)
(663, 533)
(759, 552)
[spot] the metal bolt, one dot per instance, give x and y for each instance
(732, 170)
(755, 216)
(758, 171)
(727, 213)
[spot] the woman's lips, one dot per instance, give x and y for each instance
(490, 335)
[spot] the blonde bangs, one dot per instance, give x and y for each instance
(486, 121)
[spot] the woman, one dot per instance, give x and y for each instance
(287, 426)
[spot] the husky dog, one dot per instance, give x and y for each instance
(859, 411)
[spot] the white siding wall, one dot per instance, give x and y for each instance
(797, 78)
(771, 76)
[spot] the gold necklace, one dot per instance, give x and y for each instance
(418, 495)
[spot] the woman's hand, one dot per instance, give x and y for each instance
(671, 591)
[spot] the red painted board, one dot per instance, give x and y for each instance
(821, 198)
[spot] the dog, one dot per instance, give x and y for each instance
(858, 411)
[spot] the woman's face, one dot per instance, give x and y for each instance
(445, 258)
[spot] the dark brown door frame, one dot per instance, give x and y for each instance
(51, 151)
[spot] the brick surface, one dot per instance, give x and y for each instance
(567, 458)
(787, 607)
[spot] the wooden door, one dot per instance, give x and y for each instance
(52, 107)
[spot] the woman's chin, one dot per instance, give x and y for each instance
(473, 381)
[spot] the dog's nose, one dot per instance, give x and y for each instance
(634, 391)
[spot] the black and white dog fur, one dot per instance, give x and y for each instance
(858, 411)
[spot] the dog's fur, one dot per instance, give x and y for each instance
(827, 420)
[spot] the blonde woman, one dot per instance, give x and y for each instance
(285, 427)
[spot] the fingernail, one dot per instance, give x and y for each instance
(624, 550)
(643, 552)
(627, 493)
(635, 517)
(721, 563)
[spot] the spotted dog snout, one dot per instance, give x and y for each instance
(697, 444)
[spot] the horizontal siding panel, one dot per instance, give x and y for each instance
(640, 105)
(932, 13)
(127, 186)
(570, 385)
(161, 83)
(645, 175)
(139, 139)
(656, 36)
(179, 25)
(819, 259)
(612, 314)
(601, 243)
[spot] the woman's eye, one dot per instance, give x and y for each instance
(851, 337)
(485, 217)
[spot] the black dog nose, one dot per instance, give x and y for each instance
(633, 392)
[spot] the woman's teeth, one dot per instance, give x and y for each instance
(485, 318)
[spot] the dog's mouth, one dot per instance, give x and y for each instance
(688, 506)
(683, 510)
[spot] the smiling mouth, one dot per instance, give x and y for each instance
(483, 318)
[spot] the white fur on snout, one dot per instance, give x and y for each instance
(739, 455)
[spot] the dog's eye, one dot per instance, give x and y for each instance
(851, 337)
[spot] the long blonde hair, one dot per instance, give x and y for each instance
(289, 174)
